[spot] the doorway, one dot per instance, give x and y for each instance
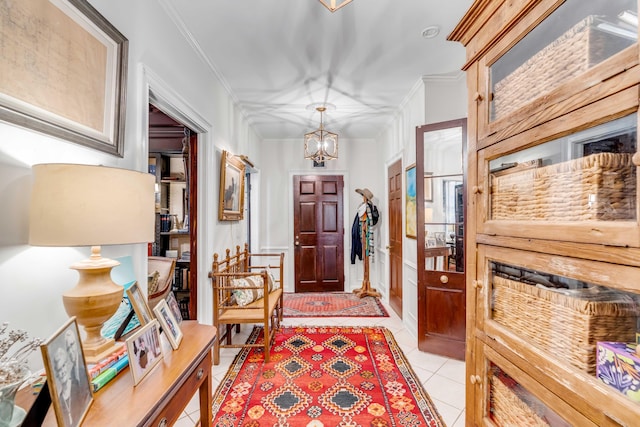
(173, 158)
(440, 196)
(318, 228)
(394, 177)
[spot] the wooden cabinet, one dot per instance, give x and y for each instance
(553, 238)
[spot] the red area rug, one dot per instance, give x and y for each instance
(323, 377)
(331, 304)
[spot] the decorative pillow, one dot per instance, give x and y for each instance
(247, 296)
(153, 282)
(273, 285)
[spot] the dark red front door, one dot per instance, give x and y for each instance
(318, 233)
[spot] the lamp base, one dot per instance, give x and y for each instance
(93, 301)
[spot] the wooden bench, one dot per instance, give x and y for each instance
(230, 305)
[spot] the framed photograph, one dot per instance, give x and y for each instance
(411, 213)
(174, 306)
(169, 323)
(67, 375)
(144, 350)
(139, 303)
(74, 94)
(231, 188)
(431, 242)
(428, 187)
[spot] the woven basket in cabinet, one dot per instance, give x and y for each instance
(598, 187)
(580, 48)
(566, 326)
(507, 409)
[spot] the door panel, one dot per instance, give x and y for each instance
(394, 174)
(318, 233)
(440, 195)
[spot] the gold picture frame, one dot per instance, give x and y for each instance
(67, 376)
(76, 94)
(410, 202)
(139, 303)
(231, 206)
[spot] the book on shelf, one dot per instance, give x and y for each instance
(96, 369)
(110, 373)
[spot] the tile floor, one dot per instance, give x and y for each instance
(442, 378)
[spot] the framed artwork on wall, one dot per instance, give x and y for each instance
(67, 376)
(231, 188)
(76, 94)
(410, 202)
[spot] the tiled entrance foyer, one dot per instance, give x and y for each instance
(441, 377)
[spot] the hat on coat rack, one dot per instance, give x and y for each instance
(365, 192)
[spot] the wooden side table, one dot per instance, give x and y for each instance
(162, 395)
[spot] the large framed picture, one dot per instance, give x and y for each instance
(231, 188)
(169, 323)
(67, 376)
(144, 350)
(139, 303)
(411, 213)
(76, 94)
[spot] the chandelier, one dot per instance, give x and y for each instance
(321, 145)
(334, 5)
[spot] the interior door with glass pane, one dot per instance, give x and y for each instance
(440, 199)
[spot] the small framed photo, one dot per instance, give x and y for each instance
(174, 306)
(67, 375)
(169, 323)
(144, 350)
(139, 303)
(431, 242)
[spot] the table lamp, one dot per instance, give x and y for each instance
(84, 205)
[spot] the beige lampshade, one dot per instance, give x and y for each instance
(84, 205)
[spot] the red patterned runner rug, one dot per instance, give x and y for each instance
(331, 304)
(323, 377)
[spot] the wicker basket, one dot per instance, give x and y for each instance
(568, 327)
(596, 187)
(507, 409)
(577, 50)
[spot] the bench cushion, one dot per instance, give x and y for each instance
(255, 285)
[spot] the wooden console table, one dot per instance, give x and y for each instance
(162, 395)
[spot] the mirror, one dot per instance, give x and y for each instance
(443, 196)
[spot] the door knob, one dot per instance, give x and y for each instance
(389, 247)
(297, 242)
(444, 279)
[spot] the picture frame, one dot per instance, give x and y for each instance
(139, 303)
(428, 186)
(410, 202)
(231, 207)
(67, 375)
(174, 306)
(92, 76)
(169, 323)
(144, 350)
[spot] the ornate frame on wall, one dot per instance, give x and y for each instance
(74, 94)
(231, 207)
(410, 202)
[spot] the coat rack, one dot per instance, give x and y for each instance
(365, 290)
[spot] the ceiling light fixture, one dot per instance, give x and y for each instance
(321, 145)
(334, 5)
(431, 31)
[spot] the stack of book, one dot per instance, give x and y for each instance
(105, 370)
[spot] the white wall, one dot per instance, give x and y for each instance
(32, 279)
(433, 99)
(280, 160)
(162, 60)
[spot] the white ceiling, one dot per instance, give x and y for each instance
(277, 57)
